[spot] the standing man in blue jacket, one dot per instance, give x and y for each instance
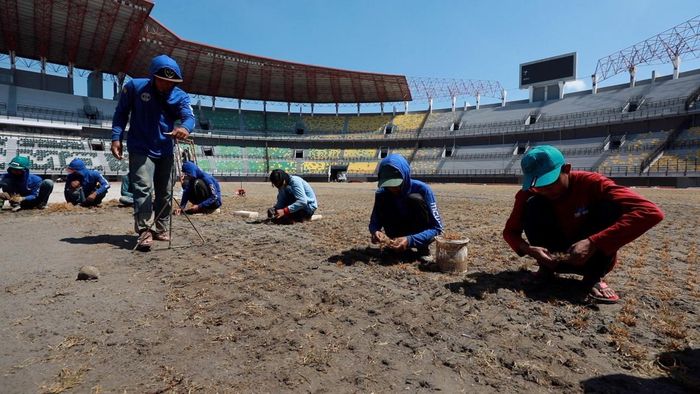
(22, 189)
(154, 103)
(83, 186)
(405, 208)
(200, 188)
(296, 200)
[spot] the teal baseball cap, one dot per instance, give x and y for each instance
(541, 166)
(20, 163)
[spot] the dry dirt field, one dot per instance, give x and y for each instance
(313, 308)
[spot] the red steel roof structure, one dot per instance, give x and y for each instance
(120, 36)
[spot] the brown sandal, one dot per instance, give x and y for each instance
(145, 241)
(161, 236)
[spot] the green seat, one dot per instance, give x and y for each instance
(229, 166)
(257, 166)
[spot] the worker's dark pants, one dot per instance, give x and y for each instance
(77, 196)
(543, 229)
(45, 189)
(415, 219)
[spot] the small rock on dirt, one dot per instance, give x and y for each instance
(88, 272)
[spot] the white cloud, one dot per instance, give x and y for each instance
(575, 86)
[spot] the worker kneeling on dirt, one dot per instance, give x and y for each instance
(83, 186)
(22, 189)
(405, 208)
(575, 221)
(199, 188)
(296, 200)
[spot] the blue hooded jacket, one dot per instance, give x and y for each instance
(152, 113)
(195, 172)
(26, 185)
(297, 195)
(409, 186)
(88, 178)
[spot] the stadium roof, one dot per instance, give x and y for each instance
(116, 36)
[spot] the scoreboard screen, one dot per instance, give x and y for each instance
(553, 69)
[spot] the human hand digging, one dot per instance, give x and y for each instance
(379, 237)
(399, 244)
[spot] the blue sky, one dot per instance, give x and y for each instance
(439, 38)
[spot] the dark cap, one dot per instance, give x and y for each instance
(390, 177)
(168, 74)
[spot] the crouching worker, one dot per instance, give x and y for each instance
(575, 221)
(296, 200)
(22, 189)
(405, 208)
(83, 186)
(199, 188)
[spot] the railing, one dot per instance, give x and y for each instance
(679, 166)
(690, 167)
(53, 119)
(574, 120)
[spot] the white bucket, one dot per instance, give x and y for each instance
(451, 255)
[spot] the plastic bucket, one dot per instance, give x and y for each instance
(451, 255)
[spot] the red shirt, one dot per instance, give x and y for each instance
(586, 188)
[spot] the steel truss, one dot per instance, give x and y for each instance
(426, 88)
(679, 41)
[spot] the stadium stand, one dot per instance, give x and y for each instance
(325, 123)
(277, 121)
(368, 123)
(230, 166)
(362, 167)
(228, 151)
(323, 154)
(255, 152)
(428, 153)
(257, 167)
(442, 120)
(624, 155)
(634, 150)
(253, 120)
(280, 153)
(221, 118)
(424, 166)
(359, 154)
(407, 153)
(205, 164)
(315, 167)
(408, 122)
(288, 166)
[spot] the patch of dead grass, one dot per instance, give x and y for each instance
(65, 380)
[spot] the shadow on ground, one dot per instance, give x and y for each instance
(118, 241)
(477, 284)
(370, 255)
(682, 367)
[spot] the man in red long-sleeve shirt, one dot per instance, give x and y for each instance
(580, 213)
